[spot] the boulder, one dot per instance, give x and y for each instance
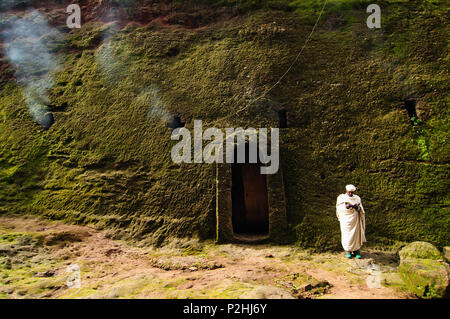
(447, 253)
(420, 249)
(423, 270)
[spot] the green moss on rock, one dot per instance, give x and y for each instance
(106, 160)
(426, 278)
(423, 270)
(421, 250)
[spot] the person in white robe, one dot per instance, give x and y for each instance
(351, 216)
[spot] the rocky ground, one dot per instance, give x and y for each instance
(35, 255)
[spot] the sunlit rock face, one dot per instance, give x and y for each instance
(113, 85)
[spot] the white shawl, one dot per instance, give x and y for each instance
(353, 224)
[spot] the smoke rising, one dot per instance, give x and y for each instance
(27, 44)
(157, 107)
(111, 64)
(114, 65)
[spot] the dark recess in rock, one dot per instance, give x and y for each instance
(410, 107)
(282, 118)
(175, 122)
(59, 108)
(47, 120)
(173, 51)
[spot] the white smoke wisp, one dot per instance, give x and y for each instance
(114, 65)
(111, 64)
(157, 108)
(27, 44)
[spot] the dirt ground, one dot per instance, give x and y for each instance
(40, 259)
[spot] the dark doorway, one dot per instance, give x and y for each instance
(410, 107)
(249, 199)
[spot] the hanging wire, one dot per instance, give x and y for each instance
(284, 74)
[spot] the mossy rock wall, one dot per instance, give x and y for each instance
(106, 161)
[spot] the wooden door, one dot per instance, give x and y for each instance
(250, 212)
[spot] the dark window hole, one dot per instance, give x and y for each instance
(173, 51)
(59, 108)
(410, 107)
(175, 122)
(282, 118)
(47, 120)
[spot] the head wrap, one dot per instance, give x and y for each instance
(350, 188)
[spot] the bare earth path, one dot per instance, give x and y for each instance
(35, 255)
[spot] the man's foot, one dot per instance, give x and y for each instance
(356, 254)
(349, 255)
